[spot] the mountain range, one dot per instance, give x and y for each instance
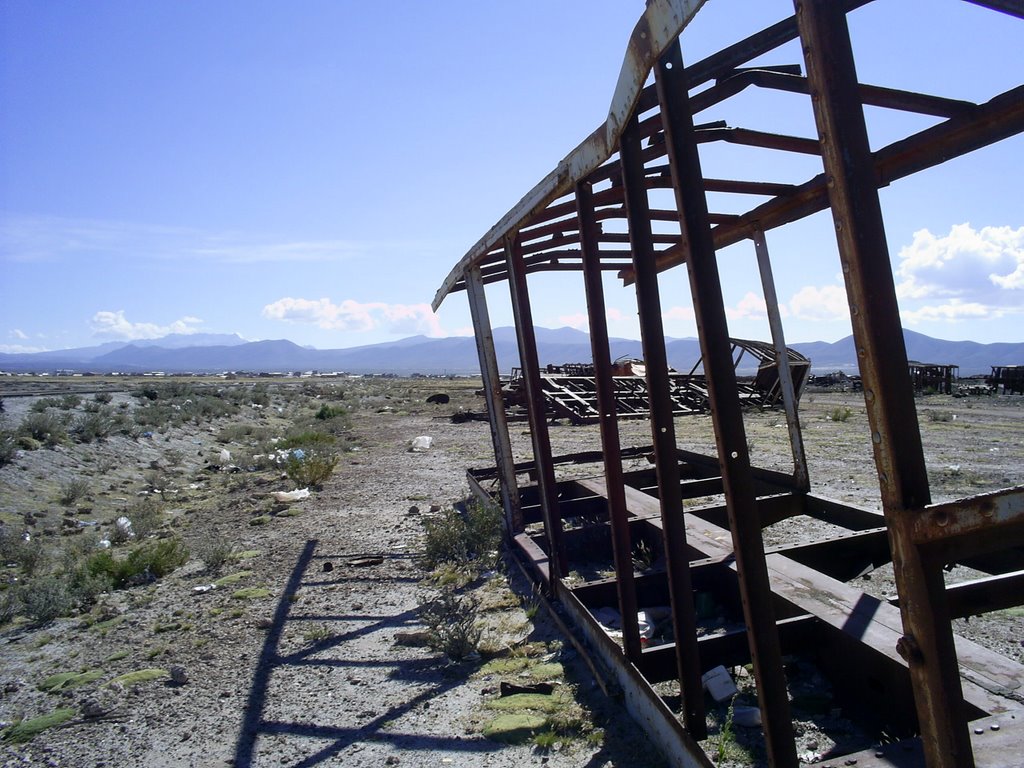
(215, 353)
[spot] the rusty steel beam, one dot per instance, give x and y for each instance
(968, 527)
(998, 119)
(789, 399)
(730, 436)
(622, 547)
(927, 644)
(526, 337)
(495, 403)
(652, 337)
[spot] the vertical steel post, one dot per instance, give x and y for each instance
(495, 403)
(527, 338)
(663, 432)
(888, 395)
(771, 300)
(727, 416)
(622, 547)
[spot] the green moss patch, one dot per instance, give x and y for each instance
(251, 593)
(117, 656)
(289, 512)
(507, 666)
(26, 730)
(546, 671)
(514, 727)
(64, 680)
(261, 520)
(138, 676)
(246, 554)
(538, 702)
(232, 578)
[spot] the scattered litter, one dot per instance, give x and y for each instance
(289, 496)
(202, 589)
(124, 527)
(225, 456)
(363, 562)
(718, 682)
(421, 443)
(298, 453)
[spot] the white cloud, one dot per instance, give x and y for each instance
(352, 315)
(581, 320)
(818, 304)
(678, 313)
(951, 311)
(19, 334)
(115, 325)
(19, 349)
(751, 306)
(982, 266)
(53, 239)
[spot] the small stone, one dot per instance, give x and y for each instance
(178, 675)
(392, 760)
(328, 567)
(90, 708)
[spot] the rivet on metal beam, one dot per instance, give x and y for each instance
(908, 648)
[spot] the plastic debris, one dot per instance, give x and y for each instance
(225, 456)
(421, 443)
(124, 527)
(718, 682)
(290, 496)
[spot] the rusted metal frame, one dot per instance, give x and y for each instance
(928, 640)
(746, 187)
(782, 360)
(526, 337)
(761, 139)
(730, 436)
(997, 119)
(652, 336)
(721, 64)
(495, 403)
(872, 95)
(558, 241)
(622, 547)
(966, 517)
(1010, 7)
(992, 593)
(661, 23)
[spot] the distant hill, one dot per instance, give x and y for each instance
(215, 353)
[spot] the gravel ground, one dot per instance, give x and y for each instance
(311, 671)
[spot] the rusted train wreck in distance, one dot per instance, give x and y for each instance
(570, 391)
(632, 199)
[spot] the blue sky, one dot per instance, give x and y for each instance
(313, 170)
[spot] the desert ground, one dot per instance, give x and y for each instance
(222, 625)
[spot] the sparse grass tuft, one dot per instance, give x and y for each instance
(840, 414)
(311, 470)
(470, 536)
(452, 620)
(73, 491)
